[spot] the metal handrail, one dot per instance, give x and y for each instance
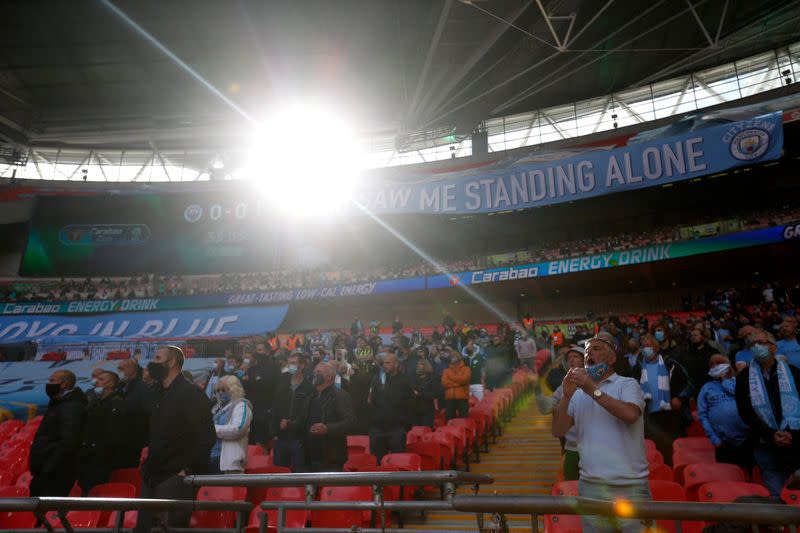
(343, 479)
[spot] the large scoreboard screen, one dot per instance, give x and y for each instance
(170, 233)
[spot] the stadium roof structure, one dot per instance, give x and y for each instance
(194, 75)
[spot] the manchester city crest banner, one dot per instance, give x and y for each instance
(644, 162)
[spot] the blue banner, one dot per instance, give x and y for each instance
(22, 384)
(636, 256)
(211, 300)
(224, 322)
(595, 173)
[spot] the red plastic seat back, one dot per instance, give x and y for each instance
(77, 519)
(429, 452)
(358, 444)
(791, 497)
(10, 520)
(358, 461)
(695, 475)
(692, 443)
(661, 472)
(217, 519)
(341, 519)
(669, 491)
(404, 461)
(112, 490)
(294, 517)
(258, 461)
(728, 491)
(127, 475)
(256, 495)
(654, 457)
(563, 523)
(687, 456)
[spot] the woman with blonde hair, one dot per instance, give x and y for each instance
(232, 417)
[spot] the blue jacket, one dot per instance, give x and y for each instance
(717, 411)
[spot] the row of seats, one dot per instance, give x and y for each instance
(450, 445)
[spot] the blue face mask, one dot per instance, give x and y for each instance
(597, 371)
(291, 369)
(648, 352)
(223, 398)
(659, 335)
(228, 368)
(98, 391)
(760, 352)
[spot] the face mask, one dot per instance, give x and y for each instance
(93, 382)
(717, 371)
(239, 374)
(291, 369)
(649, 352)
(659, 335)
(247, 361)
(326, 358)
(319, 379)
(52, 389)
(228, 368)
(223, 398)
(760, 352)
(98, 390)
(157, 370)
(597, 371)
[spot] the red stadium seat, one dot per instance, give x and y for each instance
(256, 495)
(254, 450)
(669, 491)
(410, 462)
(9, 520)
(649, 445)
(661, 472)
(127, 475)
(118, 354)
(77, 519)
(429, 452)
(357, 444)
(695, 475)
(217, 519)
(688, 456)
(9, 427)
(654, 457)
(24, 480)
(728, 491)
(258, 461)
(112, 490)
(14, 463)
(791, 497)
(360, 460)
(294, 517)
(563, 523)
(54, 356)
(692, 443)
(446, 447)
(341, 519)
(268, 469)
(459, 439)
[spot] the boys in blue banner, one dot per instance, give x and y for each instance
(768, 402)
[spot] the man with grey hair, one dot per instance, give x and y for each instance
(330, 418)
(606, 411)
(768, 402)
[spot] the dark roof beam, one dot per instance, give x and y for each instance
(474, 59)
(711, 42)
(434, 45)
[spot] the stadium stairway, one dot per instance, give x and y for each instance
(524, 461)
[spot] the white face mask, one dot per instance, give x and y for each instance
(717, 371)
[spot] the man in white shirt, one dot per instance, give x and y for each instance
(526, 349)
(606, 410)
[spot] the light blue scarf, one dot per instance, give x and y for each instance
(655, 385)
(790, 402)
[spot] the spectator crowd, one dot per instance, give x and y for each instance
(148, 286)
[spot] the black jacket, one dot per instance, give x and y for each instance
(181, 432)
(55, 447)
(758, 430)
(425, 393)
(139, 398)
(292, 406)
(337, 414)
(105, 436)
(392, 404)
(697, 364)
(260, 382)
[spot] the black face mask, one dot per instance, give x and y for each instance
(158, 371)
(52, 389)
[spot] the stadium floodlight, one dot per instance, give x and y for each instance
(305, 160)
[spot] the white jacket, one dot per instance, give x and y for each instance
(234, 435)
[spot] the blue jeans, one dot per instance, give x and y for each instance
(289, 453)
(775, 468)
(598, 491)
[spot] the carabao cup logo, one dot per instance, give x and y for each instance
(193, 213)
(749, 144)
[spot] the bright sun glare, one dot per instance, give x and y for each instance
(305, 160)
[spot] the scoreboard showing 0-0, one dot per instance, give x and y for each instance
(117, 235)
